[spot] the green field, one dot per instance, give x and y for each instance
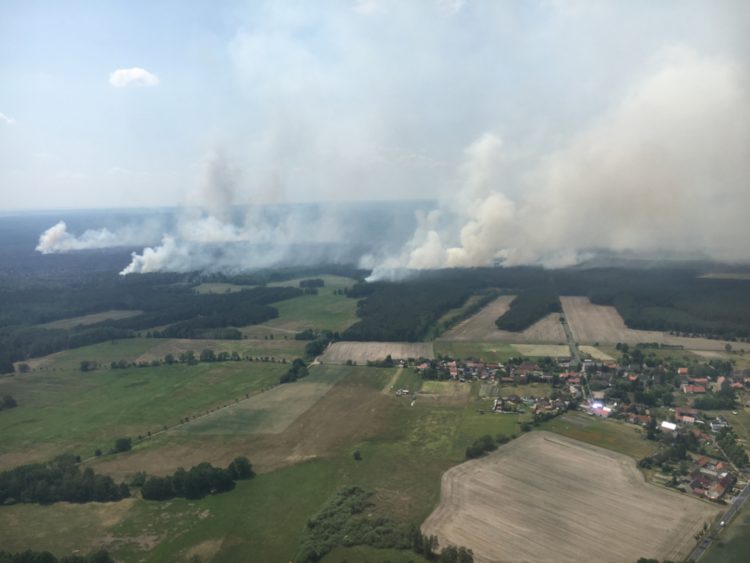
(530, 390)
(733, 545)
(613, 435)
(218, 287)
(66, 410)
(486, 351)
(404, 452)
(324, 311)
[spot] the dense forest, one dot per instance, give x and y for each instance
(676, 300)
(36, 289)
(29, 556)
(529, 307)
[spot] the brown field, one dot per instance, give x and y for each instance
(481, 327)
(544, 497)
(591, 323)
(93, 318)
(363, 352)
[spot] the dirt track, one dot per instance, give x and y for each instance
(544, 497)
(600, 323)
(481, 327)
(362, 352)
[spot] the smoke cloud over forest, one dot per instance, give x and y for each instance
(531, 136)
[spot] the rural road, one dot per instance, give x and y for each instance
(571, 342)
(714, 531)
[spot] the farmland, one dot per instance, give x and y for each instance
(599, 323)
(619, 437)
(552, 489)
(537, 350)
(363, 352)
(481, 327)
(65, 409)
(91, 319)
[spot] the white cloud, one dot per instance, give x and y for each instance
(135, 76)
(6, 119)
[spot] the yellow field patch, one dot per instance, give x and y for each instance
(551, 350)
(596, 353)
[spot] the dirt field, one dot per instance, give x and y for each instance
(91, 319)
(481, 327)
(551, 350)
(544, 497)
(600, 323)
(595, 353)
(362, 352)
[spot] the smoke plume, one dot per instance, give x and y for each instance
(665, 169)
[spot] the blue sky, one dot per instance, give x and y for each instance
(305, 101)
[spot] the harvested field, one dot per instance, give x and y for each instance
(93, 318)
(595, 353)
(591, 323)
(481, 327)
(363, 352)
(543, 497)
(551, 350)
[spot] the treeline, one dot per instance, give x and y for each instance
(198, 481)
(403, 311)
(346, 520)
(298, 370)
(486, 444)
(733, 450)
(30, 556)
(190, 315)
(311, 283)
(56, 481)
(666, 299)
(529, 307)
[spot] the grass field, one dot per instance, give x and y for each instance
(530, 390)
(596, 353)
(544, 497)
(218, 287)
(733, 545)
(68, 410)
(486, 351)
(129, 349)
(404, 451)
(617, 436)
(541, 350)
(93, 318)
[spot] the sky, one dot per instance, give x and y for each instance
(123, 104)
(535, 131)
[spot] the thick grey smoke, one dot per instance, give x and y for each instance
(666, 168)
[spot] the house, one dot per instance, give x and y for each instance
(682, 371)
(688, 416)
(640, 419)
(685, 388)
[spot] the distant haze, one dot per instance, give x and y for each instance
(541, 129)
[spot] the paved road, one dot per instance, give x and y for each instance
(713, 532)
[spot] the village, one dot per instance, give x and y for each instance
(671, 404)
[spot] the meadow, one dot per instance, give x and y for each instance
(302, 462)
